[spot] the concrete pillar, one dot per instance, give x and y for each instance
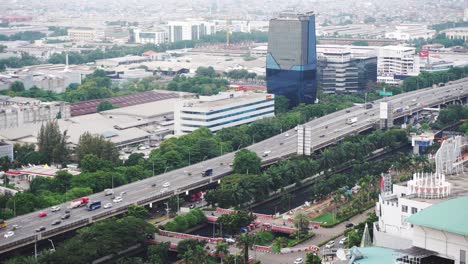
(150, 205)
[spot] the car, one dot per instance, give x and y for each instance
(230, 241)
(153, 185)
(298, 261)
(67, 211)
(55, 208)
(343, 241)
(166, 184)
(107, 205)
(348, 111)
(123, 193)
(8, 234)
(330, 244)
(65, 216)
(117, 199)
(286, 135)
(266, 153)
(322, 136)
(231, 164)
(142, 148)
(56, 222)
(40, 229)
(42, 214)
(349, 225)
(15, 227)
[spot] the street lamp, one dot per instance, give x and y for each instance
(167, 209)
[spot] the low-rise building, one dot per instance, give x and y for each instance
(457, 33)
(223, 110)
(19, 111)
(114, 62)
(408, 32)
(85, 35)
(152, 36)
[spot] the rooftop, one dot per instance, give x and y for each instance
(447, 216)
(225, 102)
(375, 255)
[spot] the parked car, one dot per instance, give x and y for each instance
(117, 199)
(349, 225)
(42, 214)
(56, 222)
(330, 244)
(343, 241)
(166, 184)
(40, 229)
(299, 261)
(8, 234)
(55, 208)
(107, 205)
(65, 216)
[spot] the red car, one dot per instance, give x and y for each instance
(42, 214)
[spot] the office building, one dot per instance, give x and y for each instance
(291, 62)
(152, 36)
(85, 35)
(339, 72)
(189, 30)
(223, 110)
(408, 32)
(395, 63)
(20, 111)
(457, 33)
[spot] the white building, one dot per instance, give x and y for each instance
(465, 17)
(114, 62)
(154, 36)
(457, 33)
(189, 30)
(6, 150)
(19, 111)
(408, 32)
(399, 202)
(220, 111)
(394, 63)
(85, 35)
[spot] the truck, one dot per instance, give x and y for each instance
(196, 196)
(108, 192)
(207, 172)
(93, 205)
(351, 120)
(79, 202)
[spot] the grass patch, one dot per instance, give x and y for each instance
(264, 238)
(326, 217)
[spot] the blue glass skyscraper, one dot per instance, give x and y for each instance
(291, 63)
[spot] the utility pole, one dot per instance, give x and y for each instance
(153, 167)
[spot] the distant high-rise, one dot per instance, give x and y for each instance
(291, 64)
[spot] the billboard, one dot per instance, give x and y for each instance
(423, 53)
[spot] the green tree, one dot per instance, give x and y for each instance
(246, 242)
(312, 259)
(360, 43)
(21, 260)
(97, 145)
(281, 104)
(222, 250)
(247, 162)
(231, 223)
(301, 222)
(134, 159)
(174, 204)
(17, 86)
(188, 244)
(52, 144)
(63, 181)
(206, 72)
(195, 255)
(137, 211)
(105, 105)
(158, 253)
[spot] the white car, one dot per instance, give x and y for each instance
(166, 184)
(342, 241)
(117, 199)
(55, 208)
(107, 205)
(8, 234)
(286, 135)
(142, 148)
(330, 244)
(299, 261)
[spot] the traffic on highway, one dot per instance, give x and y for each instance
(25, 229)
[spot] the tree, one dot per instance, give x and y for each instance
(206, 72)
(222, 250)
(52, 144)
(97, 145)
(135, 159)
(105, 105)
(247, 162)
(281, 104)
(186, 245)
(312, 258)
(360, 43)
(17, 86)
(137, 211)
(301, 222)
(245, 242)
(158, 253)
(231, 223)
(174, 203)
(63, 181)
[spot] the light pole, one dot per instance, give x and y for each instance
(153, 167)
(239, 146)
(167, 210)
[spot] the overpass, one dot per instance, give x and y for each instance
(333, 127)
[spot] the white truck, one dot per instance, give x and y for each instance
(351, 120)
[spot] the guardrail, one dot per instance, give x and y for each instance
(17, 243)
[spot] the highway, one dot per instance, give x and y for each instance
(332, 127)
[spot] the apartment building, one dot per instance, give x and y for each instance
(395, 63)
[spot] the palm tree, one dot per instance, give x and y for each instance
(196, 255)
(301, 222)
(246, 241)
(222, 250)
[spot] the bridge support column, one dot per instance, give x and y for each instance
(150, 205)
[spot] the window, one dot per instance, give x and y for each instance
(414, 210)
(404, 208)
(462, 256)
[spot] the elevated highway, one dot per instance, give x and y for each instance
(327, 130)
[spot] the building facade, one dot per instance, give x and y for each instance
(457, 33)
(189, 30)
(6, 150)
(395, 63)
(151, 36)
(339, 72)
(291, 63)
(16, 112)
(221, 111)
(85, 35)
